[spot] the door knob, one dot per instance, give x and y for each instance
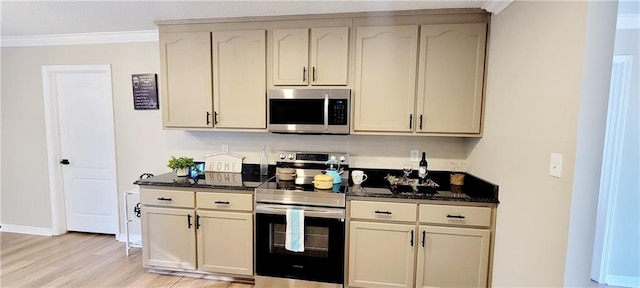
(64, 162)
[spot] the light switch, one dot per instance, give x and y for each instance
(414, 156)
(555, 166)
(224, 147)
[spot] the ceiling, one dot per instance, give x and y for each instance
(24, 18)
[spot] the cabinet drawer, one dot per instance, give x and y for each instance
(383, 211)
(168, 198)
(455, 215)
(224, 201)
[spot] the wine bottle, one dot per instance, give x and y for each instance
(422, 171)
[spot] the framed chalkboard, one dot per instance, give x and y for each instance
(145, 91)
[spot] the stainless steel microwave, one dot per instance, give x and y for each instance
(309, 111)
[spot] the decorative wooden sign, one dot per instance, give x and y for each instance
(223, 178)
(223, 162)
(145, 91)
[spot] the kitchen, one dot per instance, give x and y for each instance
(506, 154)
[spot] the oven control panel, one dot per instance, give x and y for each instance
(312, 157)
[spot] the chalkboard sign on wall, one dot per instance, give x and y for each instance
(145, 91)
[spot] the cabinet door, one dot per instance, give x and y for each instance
(452, 257)
(329, 55)
(290, 56)
(167, 238)
(185, 59)
(385, 78)
(225, 242)
(451, 76)
(381, 254)
(239, 78)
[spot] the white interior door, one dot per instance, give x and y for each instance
(85, 114)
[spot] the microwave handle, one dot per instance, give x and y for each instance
(326, 112)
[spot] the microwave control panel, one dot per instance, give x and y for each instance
(338, 111)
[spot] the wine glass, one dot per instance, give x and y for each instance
(407, 169)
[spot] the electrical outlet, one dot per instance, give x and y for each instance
(555, 166)
(415, 156)
(224, 147)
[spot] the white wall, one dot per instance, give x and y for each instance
(534, 88)
(598, 59)
(141, 143)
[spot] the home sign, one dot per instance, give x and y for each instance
(223, 162)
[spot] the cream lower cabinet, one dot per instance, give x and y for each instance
(452, 257)
(225, 233)
(215, 235)
(445, 246)
(168, 231)
(380, 254)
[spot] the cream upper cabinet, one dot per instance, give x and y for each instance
(324, 64)
(452, 257)
(329, 55)
(381, 254)
(451, 75)
(384, 92)
(168, 237)
(239, 77)
(185, 59)
(225, 242)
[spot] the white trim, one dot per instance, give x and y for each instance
(56, 191)
(612, 154)
(624, 281)
(496, 6)
(80, 38)
(628, 21)
(26, 230)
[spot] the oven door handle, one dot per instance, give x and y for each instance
(316, 212)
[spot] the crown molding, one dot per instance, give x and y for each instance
(496, 6)
(80, 38)
(628, 21)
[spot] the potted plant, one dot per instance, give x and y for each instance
(181, 165)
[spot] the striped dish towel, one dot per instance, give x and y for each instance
(294, 237)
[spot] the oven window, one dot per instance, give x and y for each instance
(297, 111)
(316, 241)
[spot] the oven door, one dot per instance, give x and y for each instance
(324, 234)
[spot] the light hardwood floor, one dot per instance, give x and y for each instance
(82, 260)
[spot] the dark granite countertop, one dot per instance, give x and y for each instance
(474, 189)
(248, 180)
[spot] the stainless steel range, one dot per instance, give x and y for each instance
(322, 255)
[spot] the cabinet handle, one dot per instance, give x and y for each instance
(314, 73)
(304, 74)
(382, 212)
(208, 118)
(410, 121)
(215, 118)
(424, 235)
(411, 238)
(189, 221)
(456, 216)
(164, 199)
(420, 121)
(222, 202)
(198, 222)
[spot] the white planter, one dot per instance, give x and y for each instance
(182, 172)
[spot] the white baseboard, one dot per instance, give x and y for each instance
(26, 230)
(624, 281)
